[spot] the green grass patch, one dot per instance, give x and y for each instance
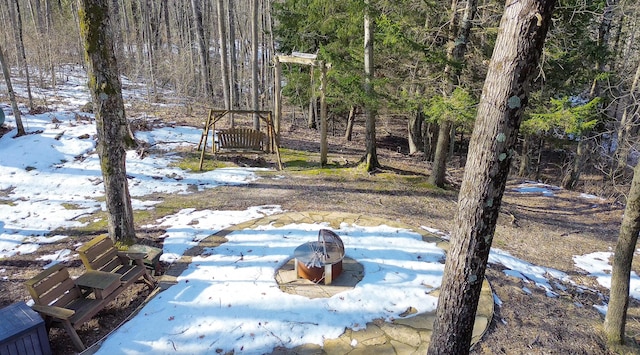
(71, 206)
(191, 162)
(95, 223)
(418, 182)
(308, 163)
(7, 202)
(298, 159)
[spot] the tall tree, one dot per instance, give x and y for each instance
(514, 63)
(224, 62)
(203, 48)
(627, 121)
(604, 33)
(458, 38)
(16, 22)
(371, 157)
(255, 103)
(233, 55)
(114, 135)
(12, 95)
(615, 320)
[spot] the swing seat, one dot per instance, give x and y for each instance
(239, 140)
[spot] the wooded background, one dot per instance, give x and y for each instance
(583, 108)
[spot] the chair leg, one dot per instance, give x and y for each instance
(71, 331)
(149, 280)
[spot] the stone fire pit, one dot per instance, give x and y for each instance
(320, 260)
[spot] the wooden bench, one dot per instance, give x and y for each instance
(239, 140)
(62, 302)
(101, 255)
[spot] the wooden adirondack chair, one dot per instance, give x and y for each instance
(62, 302)
(100, 254)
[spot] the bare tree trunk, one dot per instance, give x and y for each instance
(49, 35)
(439, 167)
(350, 120)
(414, 127)
(603, 41)
(113, 131)
(313, 111)
(458, 37)
(626, 123)
(572, 176)
(148, 32)
(203, 49)
(323, 115)
(371, 157)
(524, 157)
(233, 61)
(269, 45)
(12, 95)
(429, 137)
(516, 54)
(16, 21)
(167, 23)
(36, 13)
(117, 33)
(224, 62)
(37, 24)
(255, 100)
(614, 321)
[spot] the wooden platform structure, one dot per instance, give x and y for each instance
(239, 140)
(310, 60)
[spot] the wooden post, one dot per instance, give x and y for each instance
(277, 104)
(323, 115)
(304, 59)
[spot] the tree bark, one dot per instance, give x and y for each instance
(604, 31)
(439, 167)
(349, 131)
(202, 48)
(324, 147)
(235, 92)
(518, 47)
(16, 22)
(429, 136)
(414, 127)
(224, 62)
(571, 178)
(114, 135)
(458, 38)
(614, 321)
(12, 95)
(313, 110)
(525, 158)
(626, 124)
(167, 22)
(255, 102)
(371, 157)
(149, 27)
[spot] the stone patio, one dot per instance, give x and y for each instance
(409, 334)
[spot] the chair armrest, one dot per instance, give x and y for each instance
(53, 311)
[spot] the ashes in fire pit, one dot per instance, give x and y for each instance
(320, 260)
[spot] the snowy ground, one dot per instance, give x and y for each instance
(50, 177)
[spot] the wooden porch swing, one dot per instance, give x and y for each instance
(239, 140)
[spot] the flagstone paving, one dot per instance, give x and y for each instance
(406, 335)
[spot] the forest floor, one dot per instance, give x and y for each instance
(545, 231)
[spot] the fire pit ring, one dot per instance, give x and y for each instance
(320, 260)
